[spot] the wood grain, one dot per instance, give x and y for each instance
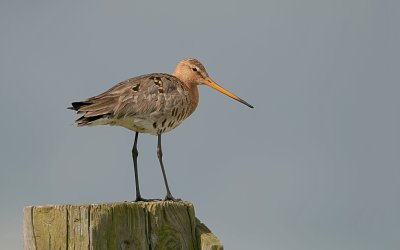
(125, 225)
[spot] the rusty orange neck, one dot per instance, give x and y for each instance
(191, 85)
(194, 96)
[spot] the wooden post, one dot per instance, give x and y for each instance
(124, 225)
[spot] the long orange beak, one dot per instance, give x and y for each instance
(213, 85)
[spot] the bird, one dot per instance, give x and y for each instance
(153, 103)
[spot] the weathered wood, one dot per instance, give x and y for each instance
(206, 239)
(125, 225)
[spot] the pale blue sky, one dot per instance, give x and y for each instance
(316, 164)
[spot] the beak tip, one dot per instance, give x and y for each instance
(246, 103)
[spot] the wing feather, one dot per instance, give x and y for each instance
(139, 96)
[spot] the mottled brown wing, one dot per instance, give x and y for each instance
(138, 96)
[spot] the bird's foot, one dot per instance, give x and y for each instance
(139, 198)
(169, 197)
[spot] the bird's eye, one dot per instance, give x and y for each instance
(194, 69)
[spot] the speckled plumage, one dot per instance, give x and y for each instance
(153, 103)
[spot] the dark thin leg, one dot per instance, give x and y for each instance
(159, 154)
(135, 154)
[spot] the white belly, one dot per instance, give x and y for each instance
(150, 125)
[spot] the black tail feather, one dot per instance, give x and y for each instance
(83, 120)
(77, 105)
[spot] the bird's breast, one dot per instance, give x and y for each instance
(160, 121)
(157, 122)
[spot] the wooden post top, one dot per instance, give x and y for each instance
(120, 225)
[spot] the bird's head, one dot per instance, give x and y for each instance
(191, 71)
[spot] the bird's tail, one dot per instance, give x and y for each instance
(88, 117)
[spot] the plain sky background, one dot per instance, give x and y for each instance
(316, 164)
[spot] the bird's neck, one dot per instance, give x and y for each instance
(194, 93)
(192, 88)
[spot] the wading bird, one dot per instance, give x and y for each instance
(153, 103)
